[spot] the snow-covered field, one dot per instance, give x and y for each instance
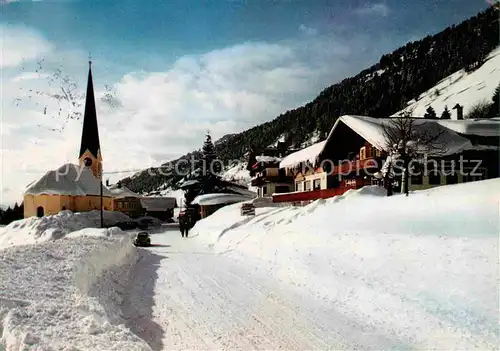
(358, 271)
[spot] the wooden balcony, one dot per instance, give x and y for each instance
(357, 165)
(260, 181)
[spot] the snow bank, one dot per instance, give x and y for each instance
(218, 199)
(66, 295)
(35, 230)
(418, 271)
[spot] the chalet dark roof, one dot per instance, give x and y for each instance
(90, 133)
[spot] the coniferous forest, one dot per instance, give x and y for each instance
(407, 72)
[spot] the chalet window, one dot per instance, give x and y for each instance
(452, 178)
(281, 189)
(417, 179)
(307, 185)
(434, 178)
(317, 184)
(264, 190)
(362, 153)
(282, 172)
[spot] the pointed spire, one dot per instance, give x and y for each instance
(90, 133)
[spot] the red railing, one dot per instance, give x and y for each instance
(309, 195)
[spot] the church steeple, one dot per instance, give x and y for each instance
(90, 148)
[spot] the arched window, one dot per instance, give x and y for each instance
(39, 211)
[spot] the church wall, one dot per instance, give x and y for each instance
(66, 202)
(89, 203)
(53, 204)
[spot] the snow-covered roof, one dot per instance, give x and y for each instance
(309, 154)
(219, 199)
(263, 158)
(121, 192)
(69, 179)
(242, 191)
(482, 127)
(372, 130)
(158, 204)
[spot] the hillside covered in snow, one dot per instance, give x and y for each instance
(454, 66)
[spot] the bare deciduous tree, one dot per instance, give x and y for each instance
(407, 139)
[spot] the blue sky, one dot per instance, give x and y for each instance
(158, 32)
(179, 68)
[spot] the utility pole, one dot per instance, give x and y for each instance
(102, 213)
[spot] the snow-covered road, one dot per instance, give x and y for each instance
(185, 297)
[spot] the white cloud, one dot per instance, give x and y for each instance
(162, 115)
(20, 44)
(308, 30)
(377, 9)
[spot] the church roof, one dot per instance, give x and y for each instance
(90, 133)
(69, 179)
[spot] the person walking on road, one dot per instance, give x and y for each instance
(182, 224)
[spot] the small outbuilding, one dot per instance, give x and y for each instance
(209, 203)
(161, 208)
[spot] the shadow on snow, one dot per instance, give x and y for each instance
(138, 304)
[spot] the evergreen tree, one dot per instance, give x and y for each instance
(9, 215)
(430, 113)
(494, 110)
(446, 113)
(210, 165)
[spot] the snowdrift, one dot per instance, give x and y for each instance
(35, 230)
(67, 295)
(409, 272)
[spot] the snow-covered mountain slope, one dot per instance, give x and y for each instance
(237, 174)
(461, 87)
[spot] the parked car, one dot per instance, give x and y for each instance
(142, 239)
